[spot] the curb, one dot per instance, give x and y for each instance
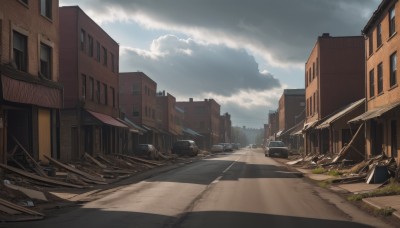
(366, 201)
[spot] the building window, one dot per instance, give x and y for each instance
(135, 111)
(112, 63)
(98, 51)
(83, 39)
(145, 111)
(104, 56)
(378, 35)
(154, 114)
(90, 41)
(392, 24)
(317, 67)
(380, 78)
(113, 96)
(91, 88)
(370, 44)
(83, 86)
(371, 83)
(306, 77)
(135, 89)
(20, 51)
(105, 94)
(24, 1)
(393, 69)
(98, 92)
(45, 8)
(314, 107)
(45, 61)
(313, 70)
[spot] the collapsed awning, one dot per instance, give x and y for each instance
(148, 128)
(106, 119)
(374, 113)
(279, 133)
(295, 128)
(347, 109)
(142, 130)
(307, 126)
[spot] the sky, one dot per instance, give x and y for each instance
(242, 54)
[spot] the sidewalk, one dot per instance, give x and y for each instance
(354, 188)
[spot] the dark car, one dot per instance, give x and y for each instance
(276, 149)
(185, 147)
(147, 151)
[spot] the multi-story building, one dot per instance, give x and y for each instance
(334, 67)
(291, 112)
(89, 74)
(203, 117)
(382, 116)
(273, 124)
(225, 129)
(169, 120)
(137, 96)
(30, 95)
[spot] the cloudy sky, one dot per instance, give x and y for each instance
(240, 53)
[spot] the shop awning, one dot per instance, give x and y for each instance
(106, 119)
(374, 113)
(340, 114)
(295, 128)
(135, 125)
(191, 132)
(131, 128)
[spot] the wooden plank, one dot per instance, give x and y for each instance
(19, 208)
(39, 178)
(33, 194)
(139, 159)
(38, 169)
(74, 170)
(95, 161)
(9, 211)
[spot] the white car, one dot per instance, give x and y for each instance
(217, 148)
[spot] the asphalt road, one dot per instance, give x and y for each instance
(239, 189)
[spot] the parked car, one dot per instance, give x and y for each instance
(146, 150)
(217, 148)
(185, 147)
(227, 146)
(276, 149)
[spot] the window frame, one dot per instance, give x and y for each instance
(371, 83)
(48, 73)
(392, 21)
(47, 12)
(24, 59)
(393, 70)
(380, 78)
(83, 89)
(91, 87)
(90, 46)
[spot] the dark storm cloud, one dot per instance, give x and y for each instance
(193, 68)
(286, 29)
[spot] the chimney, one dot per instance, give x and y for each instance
(205, 100)
(326, 35)
(190, 99)
(163, 92)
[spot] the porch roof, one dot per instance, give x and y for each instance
(131, 128)
(339, 114)
(307, 126)
(106, 119)
(374, 113)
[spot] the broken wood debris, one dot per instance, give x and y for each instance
(139, 159)
(95, 161)
(39, 178)
(87, 176)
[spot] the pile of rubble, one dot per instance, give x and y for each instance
(378, 169)
(26, 184)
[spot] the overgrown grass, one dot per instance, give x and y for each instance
(393, 188)
(334, 173)
(325, 183)
(318, 170)
(386, 211)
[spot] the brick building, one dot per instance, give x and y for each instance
(169, 120)
(203, 117)
(335, 66)
(89, 74)
(291, 112)
(137, 96)
(225, 129)
(31, 97)
(273, 124)
(382, 116)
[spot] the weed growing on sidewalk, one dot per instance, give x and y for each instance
(393, 188)
(386, 211)
(318, 170)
